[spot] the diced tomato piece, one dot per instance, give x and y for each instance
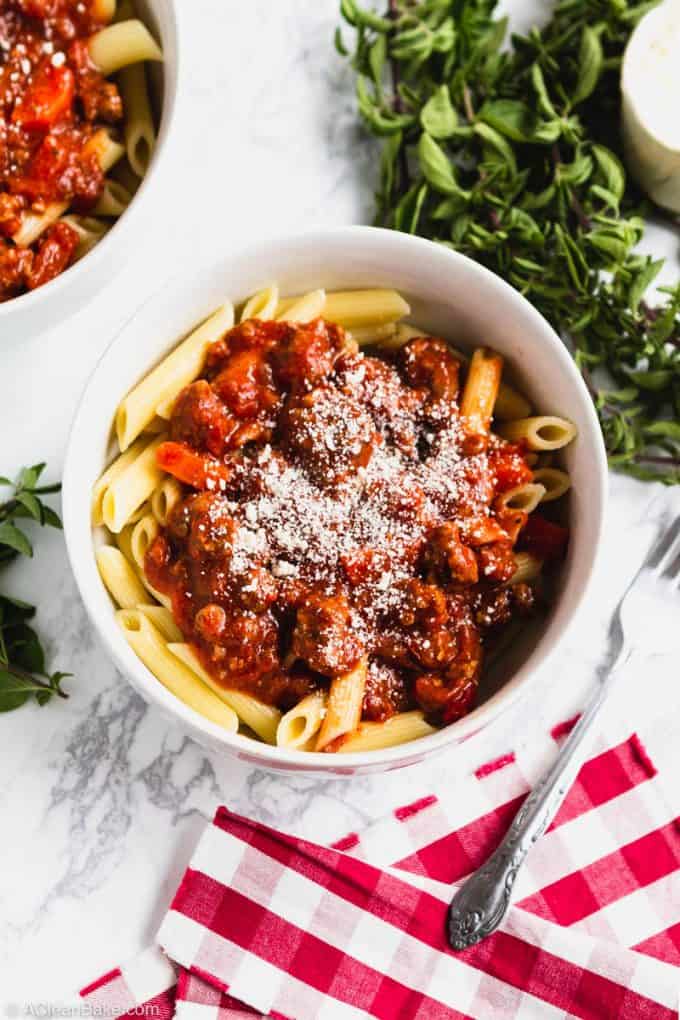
(47, 99)
(194, 469)
(509, 467)
(544, 539)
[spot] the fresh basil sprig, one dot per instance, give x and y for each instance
(513, 157)
(23, 674)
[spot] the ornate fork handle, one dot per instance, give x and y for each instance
(480, 904)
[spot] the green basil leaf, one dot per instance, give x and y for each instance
(642, 282)
(15, 539)
(544, 102)
(436, 166)
(653, 381)
(32, 505)
(438, 117)
(14, 691)
(611, 170)
(510, 117)
(590, 64)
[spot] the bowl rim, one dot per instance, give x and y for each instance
(127, 220)
(522, 680)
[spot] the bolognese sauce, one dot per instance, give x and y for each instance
(339, 508)
(52, 102)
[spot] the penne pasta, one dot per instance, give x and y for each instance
(301, 723)
(555, 483)
(139, 131)
(114, 199)
(510, 404)
(162, 619)
(343, 712)
(143, 534)
(125, 42)
(522, 497)
(356, 309)
(260, 718)
(262, 305)
(157, 392)
(131, 488)
(305, 309)
(123, 461)
(528, 568)
(164, 498)
(119, 578)
(545, 432)
(399, 729)
(383, 336)
(149, 644)
(481, 390)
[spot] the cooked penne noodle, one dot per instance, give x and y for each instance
(510, 404)
(522, 497)
(261, 718)
(164, 498)
(139, 131)
(481, 389)
(162, 619)
(125, 175)
(160, 597)
(299, 725)
(262, 305)
(143, 534)
(131, 488)
(399, 729)
(114, 200)
(343, 712)
(366, 336)
(115, 469)
(305, 309)
(119, 578)
(545, 432)
(157, 392)
(357, 309)
(124, 543)
(125, 42)
(554, 481)
(528, 568)
(152, 649)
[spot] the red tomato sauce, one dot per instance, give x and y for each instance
(336, 509)
(52, 101)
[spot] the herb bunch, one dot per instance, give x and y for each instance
(513, 157)
(23, 674)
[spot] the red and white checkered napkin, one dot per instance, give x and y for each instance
(306, 932)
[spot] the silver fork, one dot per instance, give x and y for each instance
(481, 903)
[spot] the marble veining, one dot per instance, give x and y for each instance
(101, 798)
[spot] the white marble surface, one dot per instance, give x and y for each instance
(100, 799)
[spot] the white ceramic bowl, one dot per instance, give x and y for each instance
(451, 296)
(26, 316)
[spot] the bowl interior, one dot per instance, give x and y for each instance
(450, 296)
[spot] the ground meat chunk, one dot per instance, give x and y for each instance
(307, 353)
(329, 433)
(201, 420)
(448, 557)
(428, 362)
(323, 636)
